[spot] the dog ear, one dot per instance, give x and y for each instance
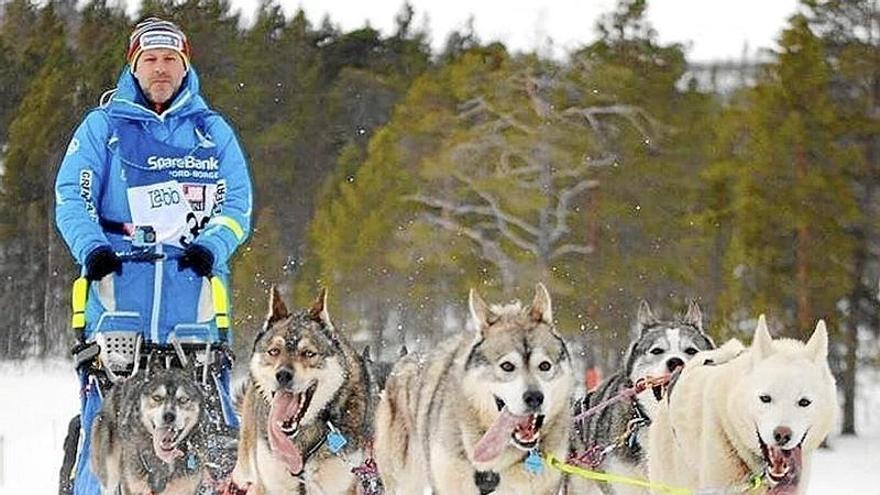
(694, 315)
(762, 342)
(481, 315)
(277, 310)
(817, 346)
(646, 318)
(318, 312)
(541, 309)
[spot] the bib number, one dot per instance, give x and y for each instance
(178, 212)
(193, 226)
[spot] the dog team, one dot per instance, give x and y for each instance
(494, 409)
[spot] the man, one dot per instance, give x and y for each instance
(153, 169)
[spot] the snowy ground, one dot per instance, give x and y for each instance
(38, 400)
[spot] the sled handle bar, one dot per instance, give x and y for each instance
(80, 290)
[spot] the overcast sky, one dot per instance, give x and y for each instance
(711, 28)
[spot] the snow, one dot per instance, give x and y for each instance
(39, 398)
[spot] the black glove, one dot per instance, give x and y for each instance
(197, 257)
(101, 262)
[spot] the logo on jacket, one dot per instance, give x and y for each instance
(182, 162)
(186, 167)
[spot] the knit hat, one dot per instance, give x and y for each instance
(153, 32)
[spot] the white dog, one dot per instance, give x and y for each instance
(736, 412)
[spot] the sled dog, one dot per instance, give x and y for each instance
(621, 428)
(307, 389)
(472, 416)
(760, 411)
(146, 438)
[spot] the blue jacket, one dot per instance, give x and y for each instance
(181, 172)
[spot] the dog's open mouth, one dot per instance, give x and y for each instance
(522, 430)
(660, 385)
(294, 407)
(783, 466)
(165, 441)
(286, 413)
(525, 433)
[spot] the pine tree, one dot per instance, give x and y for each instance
(793, 205)
(850, 34)
(37, 138)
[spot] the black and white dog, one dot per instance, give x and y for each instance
(614, 438)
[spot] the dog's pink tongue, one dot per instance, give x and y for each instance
(285, 405)
(497, 436)
(784, 469)
(163, 439)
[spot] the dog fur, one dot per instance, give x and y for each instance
(302, 357)
(734, 411)
(660, 347)
(446, 419)
(146, 438)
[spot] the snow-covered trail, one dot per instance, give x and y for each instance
(38, 399)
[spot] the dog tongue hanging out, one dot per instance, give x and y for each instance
(285, 405)
(783, 469)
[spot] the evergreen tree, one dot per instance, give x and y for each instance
(793, 205)
(850, 34)
(37, 138)
(640, 219)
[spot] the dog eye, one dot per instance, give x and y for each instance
(804, 402)
(507, 366)
(308, 354)
(690, 351)
(274, 352)
(182, 400)
(545, 366)
(766, 399)
(156, 398)
(656, 351)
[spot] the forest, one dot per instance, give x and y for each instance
(399, 177)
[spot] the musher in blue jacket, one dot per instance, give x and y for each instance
(154, 165)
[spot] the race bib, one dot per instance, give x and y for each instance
(177, 212)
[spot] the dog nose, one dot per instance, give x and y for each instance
(168, 417)
(674, 363)
(284, 376)
(782, 435)
(533, 399)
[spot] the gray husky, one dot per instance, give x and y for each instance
(475, 414)
(306, 411)
(614, 438)
(146, 438)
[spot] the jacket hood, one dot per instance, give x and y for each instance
(127, 100)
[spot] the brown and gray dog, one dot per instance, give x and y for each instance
(307, 389)
(146, 437)
(474, 415)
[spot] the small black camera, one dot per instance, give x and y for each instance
(144, 236)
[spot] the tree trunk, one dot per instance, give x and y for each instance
(802, 269)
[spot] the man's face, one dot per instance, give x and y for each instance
(159, 72)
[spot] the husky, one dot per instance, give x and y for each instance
(146, 438)
(306, 411)
(757, 411)
(474, 415)
(614, 438)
